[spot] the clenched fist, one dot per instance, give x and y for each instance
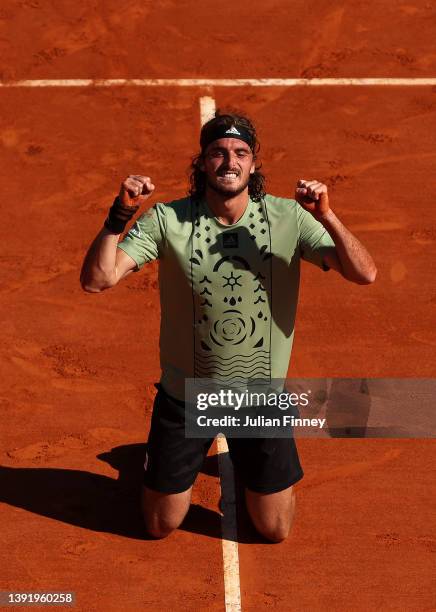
(313, 197)
(135, 190)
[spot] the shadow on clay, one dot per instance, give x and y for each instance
(100, 503)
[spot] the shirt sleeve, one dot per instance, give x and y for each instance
(314, 239)
(145, 240)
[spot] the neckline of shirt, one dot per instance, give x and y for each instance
(225, 225)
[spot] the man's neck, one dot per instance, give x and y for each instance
(227, 210)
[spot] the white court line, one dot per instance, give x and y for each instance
(232, 590)
(354, 82)
(207, 109)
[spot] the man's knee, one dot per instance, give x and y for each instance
(272, 514)
(274, 533)
(163, 513)
(159, 528)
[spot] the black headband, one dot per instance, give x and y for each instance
(223, 131)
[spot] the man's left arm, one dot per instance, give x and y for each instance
(349, 257)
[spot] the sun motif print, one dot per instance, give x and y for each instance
(231, 283)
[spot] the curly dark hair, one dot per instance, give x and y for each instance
(197, 179)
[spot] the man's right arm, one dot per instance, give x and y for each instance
(104, 264)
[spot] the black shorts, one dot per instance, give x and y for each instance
(265, 465)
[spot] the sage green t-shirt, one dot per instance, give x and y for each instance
(228, 292)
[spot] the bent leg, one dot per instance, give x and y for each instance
(164, 512)
(272, 513)
(171, 466)
(269, 468)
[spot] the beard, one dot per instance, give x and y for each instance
(228, 193)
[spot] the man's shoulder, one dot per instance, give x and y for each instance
(280, 206)
(180, 207)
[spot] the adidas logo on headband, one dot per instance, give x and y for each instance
(223, 131)
(233, 130)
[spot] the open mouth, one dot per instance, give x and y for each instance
(229, 176)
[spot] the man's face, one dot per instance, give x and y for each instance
(228, 163)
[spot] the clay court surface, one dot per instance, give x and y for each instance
(78, 369)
